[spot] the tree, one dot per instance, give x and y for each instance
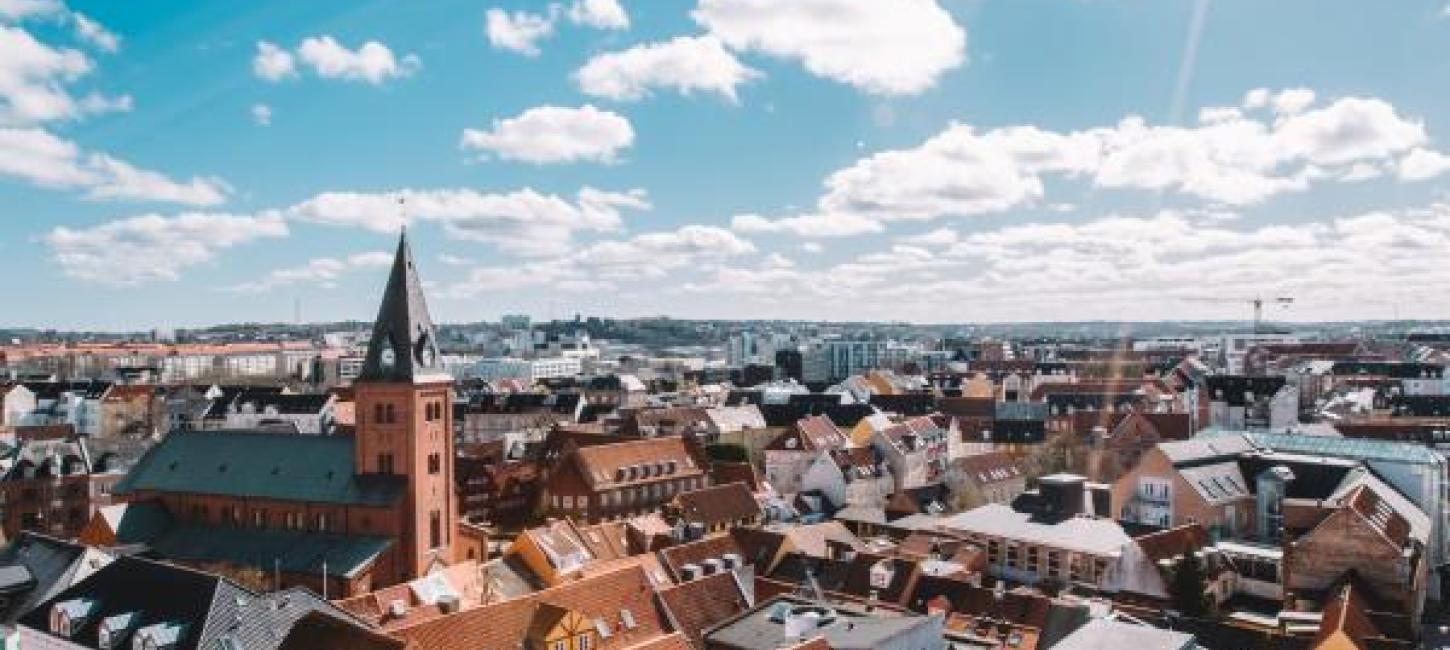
(1190, 581)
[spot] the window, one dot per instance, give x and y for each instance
(259, 517)
(435, 529)
(583, 642)
(378, 414)
(385, 463)
(388, 415)
(435, 463)
(321, 522)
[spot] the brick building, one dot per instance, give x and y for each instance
(343, 514)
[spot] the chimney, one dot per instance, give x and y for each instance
(1062, 495)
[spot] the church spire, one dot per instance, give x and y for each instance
(404, 346)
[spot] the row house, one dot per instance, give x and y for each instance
(1240, 402)
(915, 449)
(55, 485)
(1056, 537)
(616, 480)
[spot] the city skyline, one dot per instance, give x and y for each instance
(973, 162)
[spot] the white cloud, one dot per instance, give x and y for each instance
(119, 180)
(524, 222)
(18, 9)
(33, 79)
(1256, 98)
(519, 31)
(807, 225)
(372, 62)
(1134, 267)
(652, 255)
(95, 33)
(599, 14)
(41, 158)
(886, 48)
(555, 134)
(273, 63)
(147, 248)
(1228, 159)
(686, 64)
(812, 247)
(262, 114)
(322, 271)
(1421, 164)
(938, 237)
(1293, 100)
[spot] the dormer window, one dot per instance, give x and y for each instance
(113, 630)
(68, 617)
(158, 636)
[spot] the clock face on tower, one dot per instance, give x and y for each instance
(423, 351)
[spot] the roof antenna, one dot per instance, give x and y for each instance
(402, 216)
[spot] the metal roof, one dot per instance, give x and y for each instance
(285, 467)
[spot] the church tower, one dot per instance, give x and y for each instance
(404, 417)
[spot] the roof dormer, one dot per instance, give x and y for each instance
(69, 616)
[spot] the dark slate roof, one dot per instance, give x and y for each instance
(1397, 370)
(844, 415)
(1421, 405)
(305, 404)
(47, 561)
(210, 607)
(1234, 389)
(403, 328)
(557, 403)
(286, 467)
(908, 404)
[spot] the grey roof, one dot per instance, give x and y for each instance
(285, 467)
(50, 564)
(1203, 448)
(1103, 537)
(847, 628)
(205, 608)
(1108, 634)
(403, 329)
(1217, 483)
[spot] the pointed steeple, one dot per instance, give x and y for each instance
(404, 346)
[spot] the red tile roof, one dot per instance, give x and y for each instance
(717, 505)
(697, 605)
(601, 598)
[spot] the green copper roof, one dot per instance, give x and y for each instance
(286, 467)
(289, 550)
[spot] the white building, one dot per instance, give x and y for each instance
(527, 369)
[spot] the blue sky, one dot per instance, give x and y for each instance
(168, 163)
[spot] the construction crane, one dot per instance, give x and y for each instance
(1257, 302)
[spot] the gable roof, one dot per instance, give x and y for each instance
(699, 605)
(600, 598)
(285, 467)
(719, 504)
(208, 607)
(659, 458)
